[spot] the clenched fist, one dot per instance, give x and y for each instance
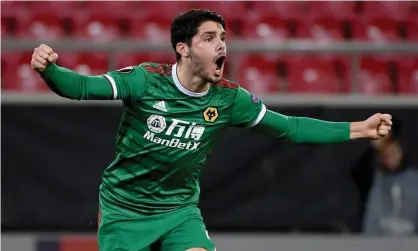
(42, 56)
(378, 125)
(375, 127)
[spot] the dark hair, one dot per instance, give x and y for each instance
(185, 26)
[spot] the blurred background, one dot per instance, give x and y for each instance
(331, 60)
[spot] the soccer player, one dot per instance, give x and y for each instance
(172, 115)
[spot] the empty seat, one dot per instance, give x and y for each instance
(150, 28)
(56, 8)
(111, 8)
(134, 58)
(312, 75)
(373, 77)
(282, 9)
(395, 10)
(12, 8)
(322, 29)
(258, 75)
(337, 10)
(168, 9)
(18, 75)
(377, 30)
(44, 26)
(97, 27)
(411, 28)
(228, 9)
(85, 63)
(266, 28)
(407, 75)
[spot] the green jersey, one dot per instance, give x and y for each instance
(165, 135)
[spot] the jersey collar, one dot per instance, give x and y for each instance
(181, 87)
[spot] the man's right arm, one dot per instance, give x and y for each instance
(126, 84)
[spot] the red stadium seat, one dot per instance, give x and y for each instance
(167, 9)
(85, 63)
(322, 29)
(57, 8)
(373, 77)
(258, 75)
(45, 26)
(6, 28)
(112, 8)
(18, 75)
(133, 59)
(266, 28)
(411, 26)
(12, 8)
(377, 30)
(395, 10)
(282, 9)
(228, 9)
(407, 77)
(150, 28)
(234, 13)
(97, 27)
(337, 10)
(313, 75)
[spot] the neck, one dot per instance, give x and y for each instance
(189, 80)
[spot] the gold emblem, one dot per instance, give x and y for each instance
(210, 114)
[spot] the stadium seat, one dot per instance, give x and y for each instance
(97, 27)
(411, 27)
(167, 9)
(337, 10)
(18, 75)
(407, 75)
(12, 8)
(322, 29)
(266, 28)
(377, 30)
(395, 10)
(150, 28)
(283, 9)
(373, 77)
(45, 26)
(312, 75)
(258, 75)
(57, 8)
(228, 9)
(133, 59)
(112, 8)
(85, 63)
(6, 27)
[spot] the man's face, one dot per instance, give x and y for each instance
(208, 52)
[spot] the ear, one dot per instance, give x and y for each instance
(183, 49)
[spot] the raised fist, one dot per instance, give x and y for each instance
(42, 56)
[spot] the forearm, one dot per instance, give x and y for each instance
(303, 130)
(72, 85)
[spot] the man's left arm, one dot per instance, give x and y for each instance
(310, 130)
(249, 111)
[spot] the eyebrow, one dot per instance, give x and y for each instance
(212, 33)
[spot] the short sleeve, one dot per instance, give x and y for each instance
(247, 109)
(127, 83)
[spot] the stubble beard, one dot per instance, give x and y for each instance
(199, 70)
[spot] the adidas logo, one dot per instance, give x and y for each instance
(160, 106)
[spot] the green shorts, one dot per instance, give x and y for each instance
(173, 231)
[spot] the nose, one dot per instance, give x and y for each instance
(221, 46)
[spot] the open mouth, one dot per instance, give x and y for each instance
(220, 62)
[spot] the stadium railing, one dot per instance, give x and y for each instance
(353, 49)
